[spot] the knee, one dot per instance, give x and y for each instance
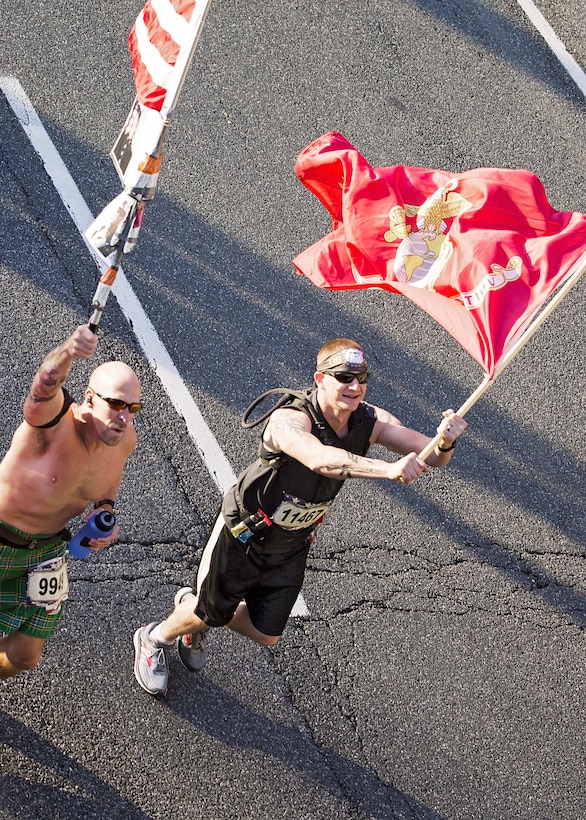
(23, 655)
(23, 663)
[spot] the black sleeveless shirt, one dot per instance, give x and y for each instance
(275, 477)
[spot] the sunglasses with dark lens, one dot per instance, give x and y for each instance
(348, 378)
(118, 404)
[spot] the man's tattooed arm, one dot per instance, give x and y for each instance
(290, 432)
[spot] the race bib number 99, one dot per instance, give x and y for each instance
(296, 514)
(48, 584)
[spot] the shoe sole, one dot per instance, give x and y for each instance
(137, 645)
(181, 593)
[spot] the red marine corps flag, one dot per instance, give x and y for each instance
(162, 44)
(480, 251)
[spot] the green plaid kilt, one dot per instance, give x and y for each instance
(15, 614)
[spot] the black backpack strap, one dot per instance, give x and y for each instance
(364, 419)
(364, 422)
(289, 397)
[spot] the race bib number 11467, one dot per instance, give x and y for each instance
(295, 514)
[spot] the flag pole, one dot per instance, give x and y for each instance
(509, 355)
(108, 278)
(184, 59)
(113, 234)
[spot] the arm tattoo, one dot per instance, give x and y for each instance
(357, 466)
(293, 428)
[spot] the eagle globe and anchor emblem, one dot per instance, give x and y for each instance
(423, 254)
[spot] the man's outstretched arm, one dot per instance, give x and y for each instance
(45, 398)
(390, 433)
(290, 432)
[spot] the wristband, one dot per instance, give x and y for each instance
(108, 501)
(448, 449)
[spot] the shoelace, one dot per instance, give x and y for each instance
(157, 656)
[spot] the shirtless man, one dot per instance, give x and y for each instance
(62, 457)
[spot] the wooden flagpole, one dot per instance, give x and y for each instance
(510, 354)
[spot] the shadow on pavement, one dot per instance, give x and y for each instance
(76, 793)
(229, 721)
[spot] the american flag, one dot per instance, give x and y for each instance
(162, 42)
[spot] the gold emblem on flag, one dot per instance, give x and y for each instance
(421, 256)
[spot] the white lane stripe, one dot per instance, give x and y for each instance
(543, 27)
(154, 349)
(156, 353)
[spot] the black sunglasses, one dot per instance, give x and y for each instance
(348, 378)
(118, 404)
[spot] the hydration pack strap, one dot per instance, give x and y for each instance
(287, 397)
(363, 421)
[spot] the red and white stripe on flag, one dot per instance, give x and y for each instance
(159, 33)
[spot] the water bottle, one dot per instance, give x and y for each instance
(98, 526)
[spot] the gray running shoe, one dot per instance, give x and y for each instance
(151, 662)
(191, 649)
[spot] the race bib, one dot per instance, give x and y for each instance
(296, 514)
(48, 584)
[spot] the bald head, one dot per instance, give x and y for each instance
(117, 380)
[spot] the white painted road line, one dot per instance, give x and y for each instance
(156, 353)
(571, 66)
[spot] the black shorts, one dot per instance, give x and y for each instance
(267, 578)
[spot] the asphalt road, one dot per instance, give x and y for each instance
(440, 671)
